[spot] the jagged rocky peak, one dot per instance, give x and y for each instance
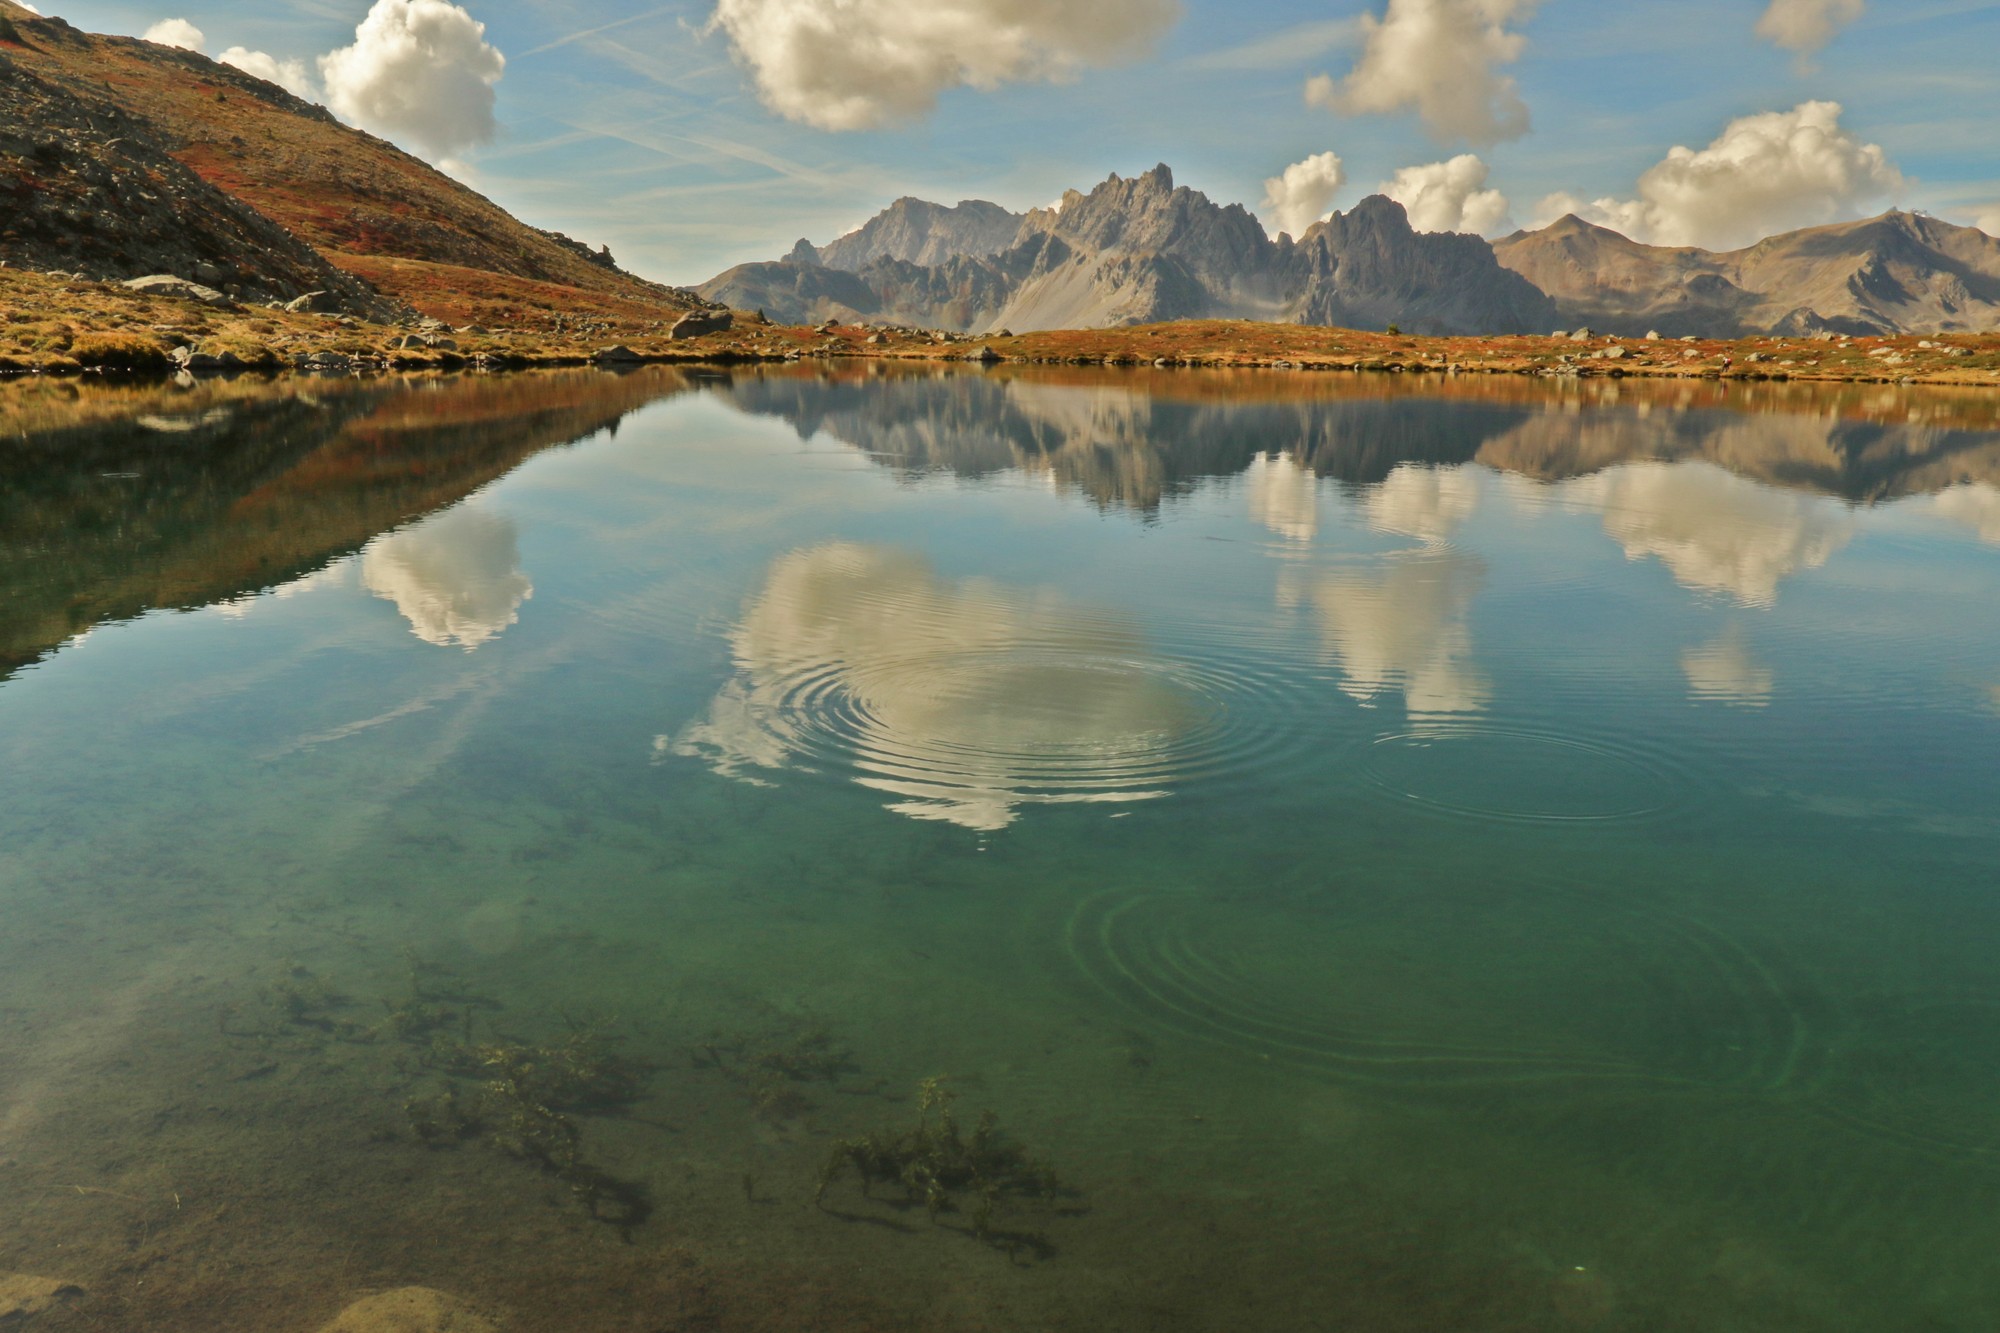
(919, 232)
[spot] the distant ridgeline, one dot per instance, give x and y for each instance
(1142, 251)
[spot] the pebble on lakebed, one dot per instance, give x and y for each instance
(410, 1310)
(23, 1295)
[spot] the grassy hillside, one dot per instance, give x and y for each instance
(370, 208)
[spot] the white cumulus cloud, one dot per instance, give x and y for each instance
(1807, 25)
(176, 32)
(1304, 193)
(1989, 221)
(1441, 59)
(30, 8)
(1449, 196)
(858, 64)
(1766, 173)
(420, 72)
(291, 75)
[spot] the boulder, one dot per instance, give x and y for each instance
(23, 1296)
(410, 1310)
(985, 354)
(695, 323)
(619, 353)
(208, 273)
(1652, 335)
(310, 303)
(166, 284)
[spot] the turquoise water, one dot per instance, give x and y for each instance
(1469, 856)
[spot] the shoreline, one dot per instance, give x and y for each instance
(66, 326)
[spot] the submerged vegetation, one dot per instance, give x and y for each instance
(777, 1064)
(524, 1098)
(935, 1165)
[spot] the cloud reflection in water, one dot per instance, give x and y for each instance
(456, 578)
(963, 698)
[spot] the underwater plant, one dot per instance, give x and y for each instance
(936, 1164)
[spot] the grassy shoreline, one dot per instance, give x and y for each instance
(52, 325)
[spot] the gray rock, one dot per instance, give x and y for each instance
(1652, 335)
(1582, 335)
(985, 354)
(619, 353)
(696, 323)
(1613, 354)
(166, 284)
(208, 273)
(310, 303)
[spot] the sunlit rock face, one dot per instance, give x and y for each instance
(456, 578)
(1402, 628)
(1724, 670)
(1715, 532)
(963, 698)
(1976, 505)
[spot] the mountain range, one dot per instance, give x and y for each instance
(1143, 250)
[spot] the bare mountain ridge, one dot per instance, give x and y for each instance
(1896, 273)
(917, 232)
(1137, 251)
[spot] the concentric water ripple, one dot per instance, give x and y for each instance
(1477, 769)
(1545, 992)
(1921, 1072)
(968, 699)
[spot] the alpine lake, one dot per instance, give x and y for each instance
(848, 847)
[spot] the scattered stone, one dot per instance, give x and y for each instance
(310, 303)
(874, 339)
(695, 323)
(1652, 335)
(985, 354)
(1612, 354)
(166, 284)
(23, 1296)
(410, 1310)
(620, 353)
(1582, 335)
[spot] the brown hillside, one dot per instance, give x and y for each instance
(355, 198)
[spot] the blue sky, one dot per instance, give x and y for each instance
(624, 122)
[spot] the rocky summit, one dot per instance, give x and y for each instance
(1142, 250)
(1138, 251)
